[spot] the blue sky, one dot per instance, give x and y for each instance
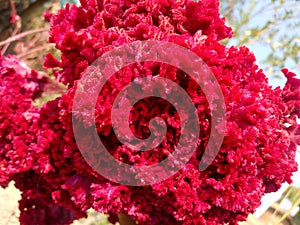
(264, 12)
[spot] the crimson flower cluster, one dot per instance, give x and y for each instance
(38, 150)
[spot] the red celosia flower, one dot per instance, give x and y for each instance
(39, 151)
(18, 86)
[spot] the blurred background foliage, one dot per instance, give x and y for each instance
(270, 28)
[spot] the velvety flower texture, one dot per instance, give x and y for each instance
(39, 151)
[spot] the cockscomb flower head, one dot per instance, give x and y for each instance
(257, 154)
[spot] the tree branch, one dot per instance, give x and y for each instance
(21, 35)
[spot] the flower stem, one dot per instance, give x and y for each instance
(13, 7)
(126, 220)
